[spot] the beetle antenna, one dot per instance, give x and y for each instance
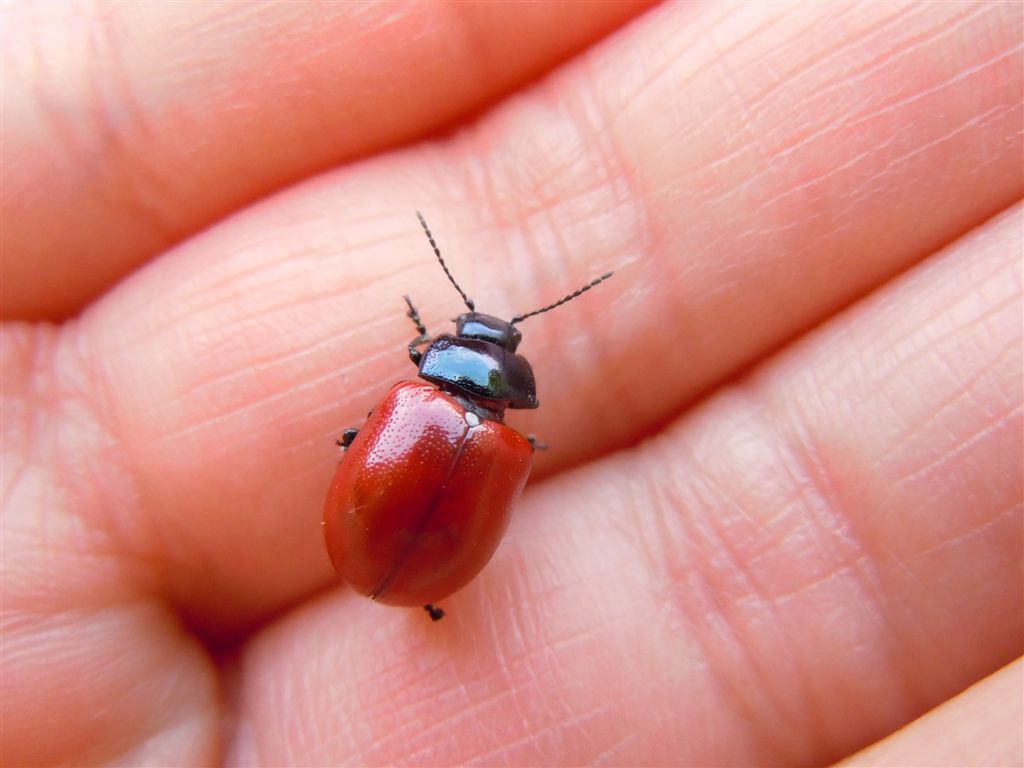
(561, 301)
(437, 252)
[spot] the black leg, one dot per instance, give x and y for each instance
(347, 437)
(414, 315)
(536, 444)
(436, 614)
(414, 354)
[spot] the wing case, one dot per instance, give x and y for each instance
(422, 497)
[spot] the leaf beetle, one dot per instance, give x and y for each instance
(422, 495)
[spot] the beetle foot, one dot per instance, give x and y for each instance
(536, 444)
(347, 437)
(414, 315)
(436, 614)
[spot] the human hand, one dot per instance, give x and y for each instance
(781, 515)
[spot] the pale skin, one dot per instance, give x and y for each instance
(781, 514)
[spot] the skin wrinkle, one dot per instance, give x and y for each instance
(810, 711)
(433, 734)
(494, 701)
(973, 532)
(976, 438)
(241, 291)
(589, 118)
(816, 495)
(121, 125)
(589, 115)
(913, 357)
(523, 713)
(497, 702)
(572, 119)
(857, 195)
(38, 80)
(620, 745)
(172, 539)
(654, 76)
(98, 567)
(260, 366)
(857, 192)
(264, 253)
(926, 693)
(59, 379)
(860, 74)
(908, 435)
(186, 297)
(755, 138)
(408, 731)
(865, 190)
(309, 384)
(995, 424)
(633, 700)
(538, 658)
(21, 353)
(737, 697)
(813, 64)
(535, 739)
(843, 81)
(280, 691)
(840, 572)
(286, 695)
(810, 453)
(742, 566)
(185, 645)
(861, 193)
(843, 122)
(473, 48)
(819, 470)
(88, 669)
(566, 724)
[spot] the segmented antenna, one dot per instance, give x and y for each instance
(437, 252)
(561, 301)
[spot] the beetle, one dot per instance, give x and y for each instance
(422, 495)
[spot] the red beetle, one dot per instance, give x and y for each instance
(422, 495)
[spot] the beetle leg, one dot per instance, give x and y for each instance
(436, 614)
(413, 314)
(536, 444)
(414, 354)
(347, 437)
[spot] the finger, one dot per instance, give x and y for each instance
(227, 369)
(812, 558)
(982, 726)
(129, 126)
(96, 668)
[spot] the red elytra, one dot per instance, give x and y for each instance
(422, 496)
